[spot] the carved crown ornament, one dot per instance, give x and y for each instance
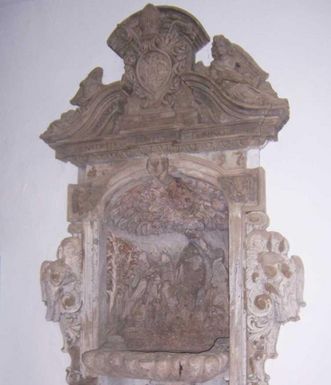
(170, 274)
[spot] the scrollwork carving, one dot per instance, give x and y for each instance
(168, 287)
(166, 100)
(60, 280)
(274, 291)
(157, 46)
(99, 107)
(61, 293)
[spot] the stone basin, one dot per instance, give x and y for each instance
(158, 366)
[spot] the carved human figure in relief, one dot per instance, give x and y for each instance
(191, 278)
(167, 294)
(237, 74)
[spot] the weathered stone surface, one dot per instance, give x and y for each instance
(61, 282)
(274, 292)
(174, 367)
(165, 101)
(170, 274)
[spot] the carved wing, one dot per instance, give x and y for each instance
(248, 67)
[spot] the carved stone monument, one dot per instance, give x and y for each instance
(170, 274)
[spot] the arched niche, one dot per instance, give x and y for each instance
(164, 285)
(170, 274)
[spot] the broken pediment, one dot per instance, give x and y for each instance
(166, 101)
(170, 274)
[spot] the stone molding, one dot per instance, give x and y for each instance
(165, 101)
(170, 274)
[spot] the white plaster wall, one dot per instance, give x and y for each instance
(46, 48)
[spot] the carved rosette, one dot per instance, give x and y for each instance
(274, 292)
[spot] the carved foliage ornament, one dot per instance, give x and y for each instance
(170, 274)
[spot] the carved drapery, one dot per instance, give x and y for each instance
(170, 274)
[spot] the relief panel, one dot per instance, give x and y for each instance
(170, 275)
(167, 258)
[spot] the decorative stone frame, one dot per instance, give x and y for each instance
(240, 203)
(265, 286)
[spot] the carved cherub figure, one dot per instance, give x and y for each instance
(180, 195)
(158, 167)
